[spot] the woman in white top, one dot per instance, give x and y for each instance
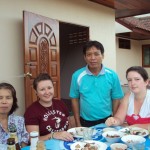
(135, 106)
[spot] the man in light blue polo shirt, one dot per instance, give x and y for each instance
(95, 90)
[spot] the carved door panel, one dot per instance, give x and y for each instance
(41, 52)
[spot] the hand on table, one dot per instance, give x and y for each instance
(111, 121)
(63, 135)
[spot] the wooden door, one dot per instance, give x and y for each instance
(41, 52)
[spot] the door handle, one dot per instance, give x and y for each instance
(28, 63)
(28, 74)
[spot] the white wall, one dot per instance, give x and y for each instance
(129, 57)
(101, 21)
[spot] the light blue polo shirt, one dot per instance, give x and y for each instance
(96, 93)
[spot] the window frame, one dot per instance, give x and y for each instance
(124, 43)
(144, 49)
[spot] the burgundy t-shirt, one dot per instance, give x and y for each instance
(49, 119)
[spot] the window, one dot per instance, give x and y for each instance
(125, 44)
(146, 55)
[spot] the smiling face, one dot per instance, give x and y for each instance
(45, 91)
(6, 101)
(93, 58)
(136, 82)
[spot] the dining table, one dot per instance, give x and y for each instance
(54, 144)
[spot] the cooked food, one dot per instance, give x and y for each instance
(79, 131)
(133, 131)
(112, 136)
(119, 148)
(71, 133)
(89, 146)
(127, 131)
(130, 141)
(77, 146)
(138, 132)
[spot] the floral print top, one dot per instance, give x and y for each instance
(22, 134)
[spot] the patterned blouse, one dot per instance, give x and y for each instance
(22, 134)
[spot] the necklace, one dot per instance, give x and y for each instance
(51, 112)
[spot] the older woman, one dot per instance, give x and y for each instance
(135, 106)
(48, 116)
(8, 104)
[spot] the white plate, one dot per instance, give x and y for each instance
(75, 134)
(135, 131)
(100, 145)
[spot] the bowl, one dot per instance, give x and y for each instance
(112, 136)
(109, 129)
(118, 146)
(131, 140)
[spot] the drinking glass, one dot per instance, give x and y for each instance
(87, 133)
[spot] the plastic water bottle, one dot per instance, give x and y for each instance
(34, 137)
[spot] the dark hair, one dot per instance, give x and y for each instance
(13, 92)
(139, 70)
(41, 77)
(89, 44)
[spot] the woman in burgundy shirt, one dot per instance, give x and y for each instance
(48, 116)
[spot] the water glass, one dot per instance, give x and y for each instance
(88, 133)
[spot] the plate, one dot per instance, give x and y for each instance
(74, 132)
(135, 131)
(80, 145)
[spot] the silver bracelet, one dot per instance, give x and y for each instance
(52, 135)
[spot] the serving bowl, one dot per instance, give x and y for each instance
(131, 140)
(120, 146)
(112, 136)
(109, 129)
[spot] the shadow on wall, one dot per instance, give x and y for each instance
(125, 88)
(68, 104)
(71, 117)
